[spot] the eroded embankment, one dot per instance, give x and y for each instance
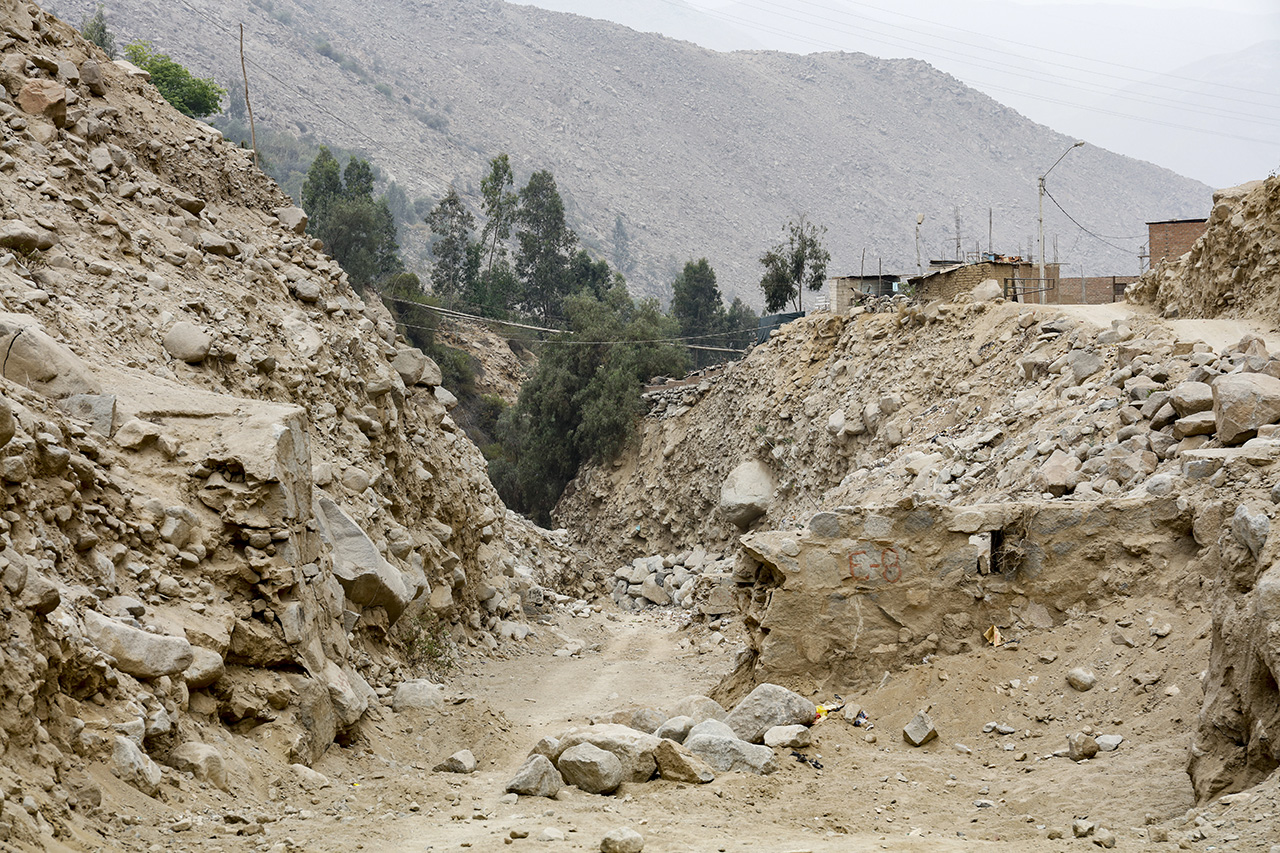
(907, 482)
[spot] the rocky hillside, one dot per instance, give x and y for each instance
(1232, 270)
(906, 480)
(234, 499)
(698, 153)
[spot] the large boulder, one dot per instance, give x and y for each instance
(731, 755)
(699, 708)
(292, 219)
(187, 342)
(17, 235)
(137, 652)
(417, 695)
(46, 98)
(416, 367)
(634, 749)
(1242, 402)
(767, 706)
(366, 577)
(135, 767)
(746, 493)
(591, 769)
(207, 666)
(1083, 364)
(678, 764)
(36, 360)
(1191, 397)
(987, 291)
(1059, 474)
(201, 760)
(537, 777)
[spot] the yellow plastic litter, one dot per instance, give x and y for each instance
(993, 636)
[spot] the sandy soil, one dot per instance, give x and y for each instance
(967, 790)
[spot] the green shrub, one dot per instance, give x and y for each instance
(428, 648)
(192, 96)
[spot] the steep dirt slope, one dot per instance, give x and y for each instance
(236, 512)
(907, 482)
(1232, 271)
(699, 153)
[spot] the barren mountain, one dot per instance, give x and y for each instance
(698, 153)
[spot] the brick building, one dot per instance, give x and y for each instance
(1022, 279)
(1091, 290)
(1015, 276)
(1173, 238)
(849, 290)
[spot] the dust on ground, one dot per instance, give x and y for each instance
(855, 789)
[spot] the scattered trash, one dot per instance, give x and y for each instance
(804, 759)
(827, 708)
(862, 721)
(993, 636)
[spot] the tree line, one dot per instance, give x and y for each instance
(584, 399)
(518, 258)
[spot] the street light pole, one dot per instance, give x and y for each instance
(919, 222)
(1042, 177)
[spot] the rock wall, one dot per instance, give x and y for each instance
(1234, 271)
(864, 590)
(232, 495)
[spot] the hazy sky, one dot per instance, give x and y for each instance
(1193, 86)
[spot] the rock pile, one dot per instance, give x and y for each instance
(690, 580)
(691, 743)
(952, 458)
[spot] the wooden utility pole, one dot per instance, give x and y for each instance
(253, 134)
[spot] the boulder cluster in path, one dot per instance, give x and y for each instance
(690, 742)
(691, 580)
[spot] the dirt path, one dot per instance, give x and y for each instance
(858, 790)
(968, 790)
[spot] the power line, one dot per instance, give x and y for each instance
(984, 61)
(386, 153)
(1086, 230)
(459, 314)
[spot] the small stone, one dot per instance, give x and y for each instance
(622, 840)
(920, 730)
(461, 761)
(550, 833)
(1104, 837)
(788, 737)
(1109, 743)
(1081, 746)
(1082, 828)
(1081, 679)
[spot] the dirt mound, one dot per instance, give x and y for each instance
(1231, 271)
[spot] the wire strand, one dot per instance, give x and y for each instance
(1086, 230)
